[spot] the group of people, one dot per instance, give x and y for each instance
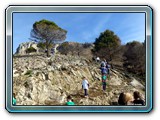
(105, 72)
(124, 98)
(129, 99)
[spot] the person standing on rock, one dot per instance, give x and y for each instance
(97, 59)
(104, 79)
(85, 86)
(70, 101)
(108, 66)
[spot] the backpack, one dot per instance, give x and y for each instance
(104, 77)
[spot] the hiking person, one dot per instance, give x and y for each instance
(14, 99)
(97, 59)
(104, 78)
(85, 86)
(108, 66)
(70, 101)
(137, 98)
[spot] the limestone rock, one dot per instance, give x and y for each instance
(38, 80)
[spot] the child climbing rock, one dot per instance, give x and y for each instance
(85, 86)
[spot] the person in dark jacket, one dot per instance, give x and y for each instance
(137, 99)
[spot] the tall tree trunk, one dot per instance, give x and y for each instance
(48, 54)
(47, 47)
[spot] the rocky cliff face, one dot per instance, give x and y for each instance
(38, 80)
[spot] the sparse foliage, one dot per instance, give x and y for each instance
(135, 58)
(73, 48)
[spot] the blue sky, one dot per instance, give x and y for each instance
(82, 27)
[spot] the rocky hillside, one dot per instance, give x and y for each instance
(38, 80)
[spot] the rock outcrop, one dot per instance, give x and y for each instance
(21, 50)
(38, 80)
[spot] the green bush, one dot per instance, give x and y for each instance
(29, 72)
(30, 50)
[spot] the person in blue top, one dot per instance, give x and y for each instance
(14, 99)
(70, 101)
(104, 70)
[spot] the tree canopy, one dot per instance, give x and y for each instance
(106, 44)
(135, 57)
(47, 32)
(107, 39)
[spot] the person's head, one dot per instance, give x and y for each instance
(136, 95)
(69, 98)
(128, 98)
(83, 78)
(121, 99)
(125, 98)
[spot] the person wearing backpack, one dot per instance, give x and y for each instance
(108, 68)
(85, 86)
(70, 101)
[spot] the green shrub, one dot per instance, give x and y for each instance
(30, 50)
(29, 72)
